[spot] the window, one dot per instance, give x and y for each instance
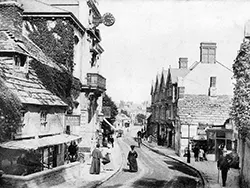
(213, 81)
(181, 91)
(43, 118)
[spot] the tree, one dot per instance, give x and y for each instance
(107, 101)
(240, 110)
(125, 112)
(140, 118)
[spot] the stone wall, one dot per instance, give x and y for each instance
(43, 179)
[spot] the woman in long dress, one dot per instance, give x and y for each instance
(132, 162)
(96, 160)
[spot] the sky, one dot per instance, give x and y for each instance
(150, 35)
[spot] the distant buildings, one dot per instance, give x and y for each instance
(192, 103)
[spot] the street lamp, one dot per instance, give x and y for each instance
(188, 152)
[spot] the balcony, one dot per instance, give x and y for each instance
(95, 83)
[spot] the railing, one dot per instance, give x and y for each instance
(95, 82)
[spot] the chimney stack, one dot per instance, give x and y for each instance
(208, 52)
(183, 63)
(11, 14)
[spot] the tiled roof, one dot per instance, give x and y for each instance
(204, 109)
(175, 73)
(29, 90)
(8, 43)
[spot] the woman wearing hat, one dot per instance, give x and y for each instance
(132, 162)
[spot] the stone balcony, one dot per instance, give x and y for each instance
(95, 83)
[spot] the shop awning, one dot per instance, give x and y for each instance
(199, 137)
(40, 142)
(109, 123)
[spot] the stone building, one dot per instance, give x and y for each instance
(43, 112)
(84, 16)
(192, 104)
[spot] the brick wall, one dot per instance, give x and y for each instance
(11, 17)
(46, 178)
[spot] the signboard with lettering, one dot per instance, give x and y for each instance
(72, 120)
(106, 111)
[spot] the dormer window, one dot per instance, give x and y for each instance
(20, 60)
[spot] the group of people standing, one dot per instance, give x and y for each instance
(199, 153)
(98, 158)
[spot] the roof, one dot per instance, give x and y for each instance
(204, 109)
(29, 90)
(175, 73)
(36, 6)
(38, 143)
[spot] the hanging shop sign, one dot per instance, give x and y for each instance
(108, 19)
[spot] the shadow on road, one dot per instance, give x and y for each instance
(113, 186)
(181, 168)
(150, 182)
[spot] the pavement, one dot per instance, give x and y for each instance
(87, 180)
(207, 169)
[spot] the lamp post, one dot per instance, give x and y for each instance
(188, 152)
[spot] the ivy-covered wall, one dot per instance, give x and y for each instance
(241, 101)
(55, 38)
(60, 83)
(10, 116)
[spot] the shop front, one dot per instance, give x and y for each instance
(218, 139)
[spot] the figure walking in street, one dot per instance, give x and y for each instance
(139, 138)
(132, 159)
(196, 152)
(223, 164)
(96, 160)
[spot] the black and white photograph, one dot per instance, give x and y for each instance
(124, 93)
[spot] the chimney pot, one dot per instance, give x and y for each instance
(183, 63)
(208, 52)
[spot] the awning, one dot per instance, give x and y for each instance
(199, 137)
(40, 142)
(109, 123)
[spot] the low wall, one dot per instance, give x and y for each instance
(43, 179)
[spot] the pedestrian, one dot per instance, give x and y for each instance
(196, 152)
(223, 164)
(201, 154)
(72, 149)
(112, 140)
(132, 159)
(96, 160)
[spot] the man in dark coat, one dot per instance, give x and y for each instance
(223, 164)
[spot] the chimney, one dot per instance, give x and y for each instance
(11, 14)
(208, 52)
(183, 63)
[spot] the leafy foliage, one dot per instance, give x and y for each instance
(240, 111)
(58, 82)
(107, 101)
(56, 41)
(10, 114)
